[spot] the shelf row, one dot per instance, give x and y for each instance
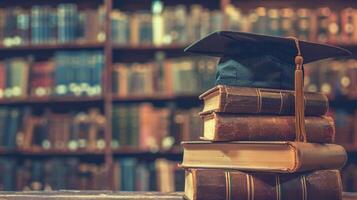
(78, 153)
(75, 45)
(96, 99)
(132, 98)
(124, 151)
(99, 45)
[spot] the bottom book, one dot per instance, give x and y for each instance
(214, 184)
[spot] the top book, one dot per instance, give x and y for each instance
(245, 100)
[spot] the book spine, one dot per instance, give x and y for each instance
(115, 128)
(222, 185)
(265, 101)
(280, 128)
(2, 79)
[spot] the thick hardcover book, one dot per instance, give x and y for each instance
(281, 157)
(231, 99)
(233, 127)
(211, 184)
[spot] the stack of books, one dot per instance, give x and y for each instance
(248, 149)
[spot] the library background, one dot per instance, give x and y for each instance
(98, 94)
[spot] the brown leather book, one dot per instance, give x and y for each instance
(260, 101)
(211, 184)
(280, 157)
(233, 127)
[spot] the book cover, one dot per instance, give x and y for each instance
(278, 157)
(260, 101)
(234, 127)
(212, 184)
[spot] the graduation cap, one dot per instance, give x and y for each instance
(261, 61)
(252, 60)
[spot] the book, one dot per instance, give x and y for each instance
(17, 74)
(10, 126)
(234, 127)
(274, 156)
(232, 99)
(212, 184)
(2, 79)
(41, 78)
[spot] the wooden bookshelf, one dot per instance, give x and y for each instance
(122, 151)
(58, 152)
(118, 52)
(158, 97)
(175, 47)
(338, 102)
(65, 46)
(50, 100)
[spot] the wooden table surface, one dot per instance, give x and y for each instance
(106, 195)
(88, 195)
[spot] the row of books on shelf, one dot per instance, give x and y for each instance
(163, 25)
(189, 75)
(153, 128)
(140, 126)
(80, 73)
(43, 24)
(335, 78)
(67, 73)
(323, 24)
(70, 131)
(130, 174)
(179, 25)
(162, 175)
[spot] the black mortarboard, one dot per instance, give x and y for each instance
(252, 60)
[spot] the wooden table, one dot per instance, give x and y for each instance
(89, 195)
(105, 195)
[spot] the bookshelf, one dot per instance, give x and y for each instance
(113, 54)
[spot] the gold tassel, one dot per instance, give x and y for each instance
(300, 130)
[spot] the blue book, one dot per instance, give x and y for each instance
(37, 172)
(60, 74)
(58, 179)
(14, 122)
(128, 170)
(8, 174)
(61, 22)
(52, 26)
(99, 66)
(3, 121)
(35, 24)
(72, 22)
